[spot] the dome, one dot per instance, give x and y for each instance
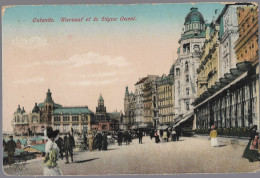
(194, 16)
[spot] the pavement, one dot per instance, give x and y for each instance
(189, 155)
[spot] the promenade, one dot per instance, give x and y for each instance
(189, 155)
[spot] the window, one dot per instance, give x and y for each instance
(187, 78)
(56, 118)
(186, 66)
(187, 106)
(66, 118)
(187, 91)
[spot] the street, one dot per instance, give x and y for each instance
(189, 155)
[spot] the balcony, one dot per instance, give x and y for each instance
(202, 80)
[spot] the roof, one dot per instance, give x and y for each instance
(41, 105)
(100, 98)
(40, 147)
(199, 35)
(23, 141)
(36, 139)
(141, 80)
(72, 111)
(194, 16)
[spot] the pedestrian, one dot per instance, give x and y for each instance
(151, 134)
(99, 141)
(251, 153)
(156, 135)
(164, 137)
(119, 138)
(140, 136)
(178, 133)
(59, 143)
(173, 135)
(69, 144)
(213, 136)
(127, 135)
(51, 167)
(10, 149)
(104, 141)
(90, 141)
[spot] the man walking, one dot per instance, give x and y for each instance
(59, 143)
(140, 136)
(69, 144)
(10, 149)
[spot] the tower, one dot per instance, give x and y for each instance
(185, 70)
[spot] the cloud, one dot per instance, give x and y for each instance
(95, 58)
(93, 82)
(28, 81)
(30, 43)
(85, 59)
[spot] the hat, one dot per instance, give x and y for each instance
(52, 134)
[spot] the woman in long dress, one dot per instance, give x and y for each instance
(213, 137)
(251, 153)
(51, 167)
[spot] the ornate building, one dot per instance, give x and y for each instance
(208, 71)
(139, 100)
(129, 109)
(228, 35)
(165, 98)
(149, 98)
(185, 76)
(52, 114)
(233, 101)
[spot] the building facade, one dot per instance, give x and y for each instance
(139, 100)
(63, 118)
(148, 98)
(208, 71)
(228, 36)
(233, 101)
(129, 109)
(165, 98)
(185, 76)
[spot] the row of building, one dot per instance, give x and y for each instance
(214, 80)
(65, 119)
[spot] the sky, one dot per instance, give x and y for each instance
(78, 61)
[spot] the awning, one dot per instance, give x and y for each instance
(221, 90)
(163, 127)
(142, 125)
(185, 117)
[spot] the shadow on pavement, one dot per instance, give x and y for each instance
(112, 149)
(222, 145)
(87, 160)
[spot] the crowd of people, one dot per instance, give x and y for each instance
(56, 146)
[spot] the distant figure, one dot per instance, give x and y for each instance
(140, 136)
(90, 141)
(99, 141)
(164, 137)
(173, 135)
(69, 144)
(156, 135)
(104, 141)
(52, 153)
(251, 152)
(127, 138)
(59, 143)
(10, 149)
(178, 133)
(151, 134)
(120, 138)
(213, 137)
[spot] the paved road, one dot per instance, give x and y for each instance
(189, 155)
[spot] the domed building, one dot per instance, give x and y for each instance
(185, 75)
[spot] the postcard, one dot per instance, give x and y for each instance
(130, 89)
